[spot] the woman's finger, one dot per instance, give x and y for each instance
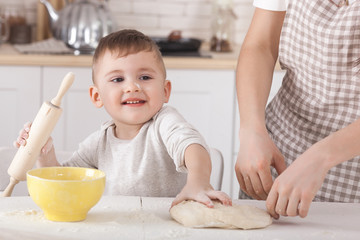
(266, 180)
(257, 185)
(248, 186)
(304, 207)
(241, 181)
(293, 206)
(281, 205)
(271, 203)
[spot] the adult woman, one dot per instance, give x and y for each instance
(312, 125)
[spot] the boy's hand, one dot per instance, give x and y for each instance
(198, 187)
(202, 195)
(24, 135)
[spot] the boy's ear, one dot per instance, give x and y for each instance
(95, 96)
(167, 89)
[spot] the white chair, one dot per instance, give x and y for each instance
(217, 172)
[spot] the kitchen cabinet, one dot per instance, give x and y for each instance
(206, 99)
(20, 98)
(276, 84)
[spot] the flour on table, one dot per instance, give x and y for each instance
(26, 215)
(176, 233)
(22, 212)
(137, 217)
(197, 215)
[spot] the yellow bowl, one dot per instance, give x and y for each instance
(65, 194)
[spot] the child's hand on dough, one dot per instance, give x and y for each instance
(203, 195)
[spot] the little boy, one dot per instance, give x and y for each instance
(147, 148)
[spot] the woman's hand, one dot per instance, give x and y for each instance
(294, 190)
(202, 194)
(256, 154)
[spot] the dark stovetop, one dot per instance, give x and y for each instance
(185, 54)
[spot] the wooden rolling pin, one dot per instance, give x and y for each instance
(41, 128)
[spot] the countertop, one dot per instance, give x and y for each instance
(120, 217)
(218, 61)
(10, 56)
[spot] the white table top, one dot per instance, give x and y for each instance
(120, 217)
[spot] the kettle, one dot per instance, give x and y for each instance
(80, 24)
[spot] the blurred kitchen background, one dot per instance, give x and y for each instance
(154, 18)
(203, 87)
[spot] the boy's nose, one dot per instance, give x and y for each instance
(132, 86)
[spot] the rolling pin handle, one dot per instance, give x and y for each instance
(8, 190)
(65, 85)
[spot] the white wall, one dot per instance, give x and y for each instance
(160, 17)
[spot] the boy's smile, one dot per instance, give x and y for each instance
(134, 102)
(132, 88)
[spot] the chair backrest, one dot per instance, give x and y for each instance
(217, 172)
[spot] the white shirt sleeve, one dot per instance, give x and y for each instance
(177, 134)
(272, 5)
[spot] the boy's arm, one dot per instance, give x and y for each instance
(198, 187)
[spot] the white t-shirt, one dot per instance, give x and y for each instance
(149, 165)
(273, 5)
(277, 5)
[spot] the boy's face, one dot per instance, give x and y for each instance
(131, 88)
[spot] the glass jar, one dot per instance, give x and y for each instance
(15, 15)
(4, 30)
(222, 26)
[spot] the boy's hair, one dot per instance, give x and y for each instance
(125, 42)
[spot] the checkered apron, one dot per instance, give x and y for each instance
(320, 93)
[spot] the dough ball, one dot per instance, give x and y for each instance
(197, 215)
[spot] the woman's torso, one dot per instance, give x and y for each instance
(320, 94)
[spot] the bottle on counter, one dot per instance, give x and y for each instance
(14, 14)
(222, 24)
(4, 30)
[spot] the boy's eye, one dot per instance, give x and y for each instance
(119, 79)
(145, 77)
